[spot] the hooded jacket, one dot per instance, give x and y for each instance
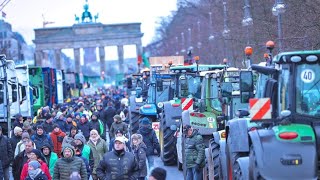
(61, 122)
(40, 140)
(65, 166)
(140, 154)
(195, 150)
(85, 149)
(119, 125)
(150, 139)
(51, 158)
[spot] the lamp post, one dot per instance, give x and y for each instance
(278, 9)
(247, 19)
(199, 35)
(226, 30)
(211, 36)
(189, 39)
(177, 42)
(182, 43)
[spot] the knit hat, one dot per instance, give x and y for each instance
(95, 114)
(117, 117)
(67, 147)
(77, 114)
(34, 164)
(80, 137)
(145, 121)
(25, 135)
(16, 130)
(58, 115)
(119, 131)
(26, 125)
(43, 112)
(55, 125)
(37, 152)
(158, 173)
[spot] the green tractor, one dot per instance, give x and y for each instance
(284, 142)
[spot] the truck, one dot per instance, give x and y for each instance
(37, 84)
(25, 91)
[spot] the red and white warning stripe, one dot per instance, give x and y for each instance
(260, 108)
(187, 104)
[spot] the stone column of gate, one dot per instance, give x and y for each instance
(57, 57)
(102, 60)
(120, 58)
(76, 53)
(38, 58)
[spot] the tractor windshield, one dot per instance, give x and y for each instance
(308, 89)
(194, 84)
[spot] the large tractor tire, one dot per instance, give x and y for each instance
(238, 172)
(206, 169)
(253, 169)
(134, 123)
(215, 168)
(231, 161)
(168, 144)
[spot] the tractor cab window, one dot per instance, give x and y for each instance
(14, 92)
(194, 84)
(308, 89)
(214, 101)
(261, 84)
(183, 86)
(284, 89)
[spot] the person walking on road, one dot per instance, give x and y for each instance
(57, 138)
(158, 173)
(118, 164)
(51, 157)
(195, 153)
(35, 172)
(6, 154)
(118, 125)
(16, 138)
(139, 150)
(21, 159)
(150, 139)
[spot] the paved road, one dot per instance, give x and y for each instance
(172, 171)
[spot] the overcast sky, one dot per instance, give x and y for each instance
(25, 15)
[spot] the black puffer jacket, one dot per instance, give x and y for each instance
(150, 139)
(6, 151)
(116, 166)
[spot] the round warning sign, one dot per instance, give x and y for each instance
(308, 75)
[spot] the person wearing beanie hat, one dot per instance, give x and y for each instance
(68, 164)
(150, 139)
(35, 155)
(51, 157)
(118, 124)
(57, 138)
(34, 171)
(70, 122)
(84, 126)
(139, 151)
(96, 123)
(158, 173)
(16, 137)
(41, 137)
(18, 121)
(47, 124)
(60, 120)
(70, 137)
(81, 144)
(21, 146)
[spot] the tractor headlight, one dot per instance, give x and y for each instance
(160, 105)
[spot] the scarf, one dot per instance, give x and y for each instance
(94, 140)
(34, 173)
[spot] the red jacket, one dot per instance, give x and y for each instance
(43, 167)
(57, 138)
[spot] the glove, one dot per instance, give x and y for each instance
(197, 167)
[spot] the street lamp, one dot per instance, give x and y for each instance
(189, 39)
(277, 10)
(211, 36)
(226, 30)
(182, 43)
(247, 19)
(177, 42)
(199, 36)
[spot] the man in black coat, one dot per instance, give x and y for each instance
(109, 112)
(6, 154)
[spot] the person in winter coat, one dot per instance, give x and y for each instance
(195, 153)
(60, 120)
(51, 157)
(83, 125)
(21, 145)
(68, 164)
(78, 153)
(16, 138)
(48, 124)
(80, 143)
(139, 151)
(109, 166)
(118, 125)
(96, 123)
(35, 172)
(77, 117)
(150, 139)
(57, 138)
(70, 138)
(41, 138)
(109, 113)
(119, 133)
(35, 155)
(70, 122)
(18, 121)
(99, 148)
(6, 154)
(21, 159)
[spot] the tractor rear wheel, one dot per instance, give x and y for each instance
(253, 166)
(215, 159)
(238, 173)
(168, 147)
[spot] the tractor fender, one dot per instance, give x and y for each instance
(171, 114)
(275, 157)
(150, 111)
(237, 134)
(244, 166)
(223, 159)
(216, 137)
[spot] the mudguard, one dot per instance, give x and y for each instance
(216, 137)
(274, 157)
(244, 166)
(238, 135)
(223, 159)
(172, 115)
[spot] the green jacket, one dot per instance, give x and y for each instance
(52, 162)
(98, 150)
(194, 149)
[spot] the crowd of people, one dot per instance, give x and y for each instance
(82, 138)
